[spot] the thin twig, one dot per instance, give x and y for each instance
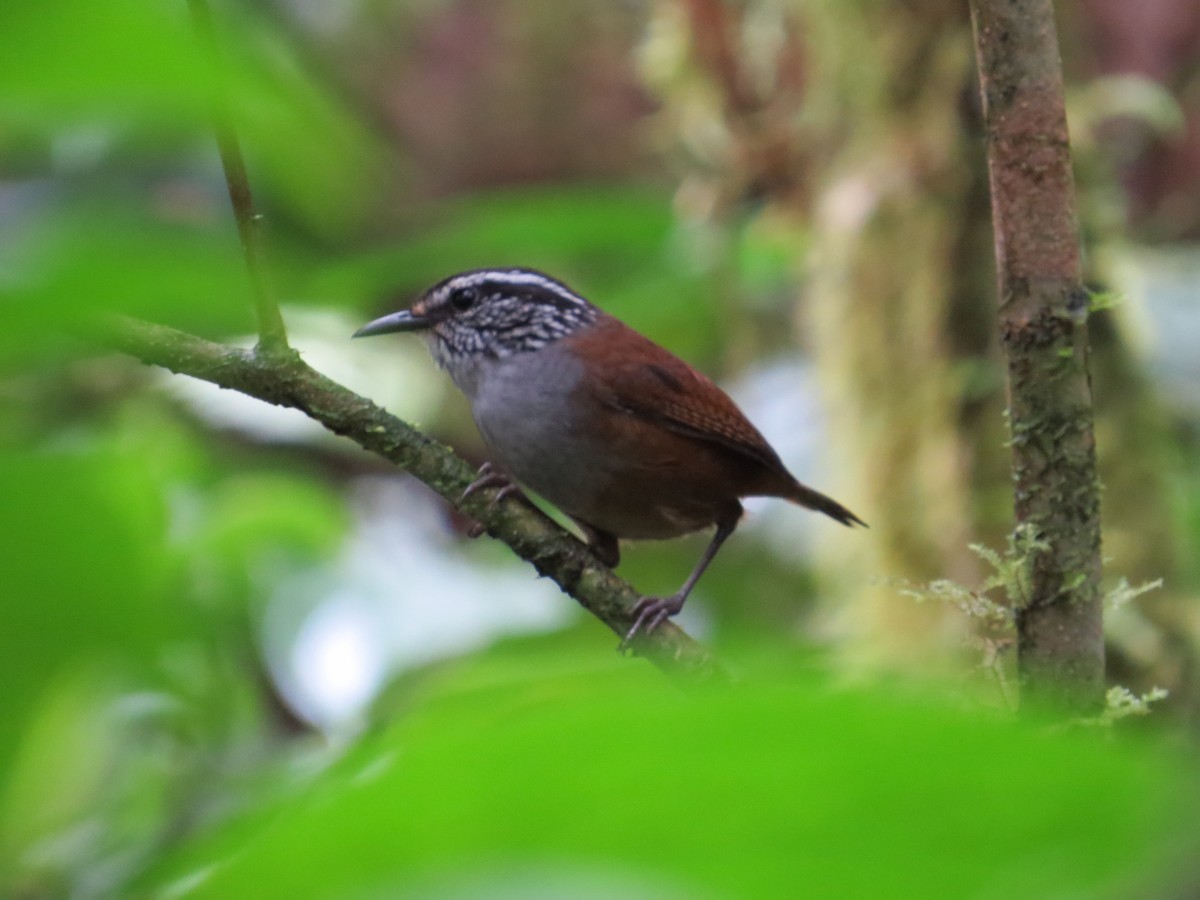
(272, 335)
(285, 380)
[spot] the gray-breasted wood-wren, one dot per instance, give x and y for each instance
(621, 435)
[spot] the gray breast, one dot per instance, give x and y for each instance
(521, 404)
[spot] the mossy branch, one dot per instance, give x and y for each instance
(282, 378)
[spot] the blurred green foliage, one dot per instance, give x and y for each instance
(81, 531)
(524, 771)
(130, 703)
(118, 99)
(143, 747)
(78, 61)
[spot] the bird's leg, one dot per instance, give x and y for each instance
(650, 612)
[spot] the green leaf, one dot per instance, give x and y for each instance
(120, 59)
(85, 573)
(101, 259)
(533, 778)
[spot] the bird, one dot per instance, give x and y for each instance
(620, 434)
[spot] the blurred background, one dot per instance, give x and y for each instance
(205, 600)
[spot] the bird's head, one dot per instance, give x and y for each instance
(490, 313)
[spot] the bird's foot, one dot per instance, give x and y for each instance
(649, 613)
(489, 476)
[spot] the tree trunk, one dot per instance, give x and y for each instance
(1043, 314)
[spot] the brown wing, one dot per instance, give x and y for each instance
(636, 377)
(644, 380)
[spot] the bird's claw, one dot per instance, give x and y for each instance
(507, 490)
(649, 613)
(486, 477)
(489, 477)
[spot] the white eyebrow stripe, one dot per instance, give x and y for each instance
(515, 277)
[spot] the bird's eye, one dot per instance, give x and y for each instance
(463, 298)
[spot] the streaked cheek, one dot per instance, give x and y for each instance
(437, 346)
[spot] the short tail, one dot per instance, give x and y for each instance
(806, 496)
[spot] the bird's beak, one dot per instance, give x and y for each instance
(405, 320)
